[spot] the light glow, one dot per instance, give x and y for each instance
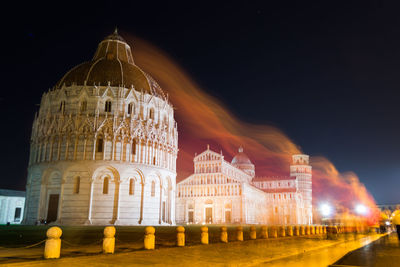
(326, 210)
(361, 209)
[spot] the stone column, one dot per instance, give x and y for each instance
(160, 211)
(141, 202)
(113, 148)
(60, 202)
(76, 146)
(66, 147)
(84, 147)
(94, 147)
(89, 219)
(118, 189)
(59, 147)
(51, 149)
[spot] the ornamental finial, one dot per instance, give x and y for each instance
(116, 30)
(240, 149)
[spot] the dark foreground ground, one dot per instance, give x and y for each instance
(384, 252)
(16, 236)
(81, 246)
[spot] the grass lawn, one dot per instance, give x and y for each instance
(22, 235)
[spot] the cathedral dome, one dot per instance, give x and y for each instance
(241, 158)
(111, 65)
(242, 161)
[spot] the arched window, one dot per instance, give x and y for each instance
(131, 108)
(107, 106)
(100, 145)
(83, 106)
(141, 112)
(153, 188)
(131, 187)
(105, 185)
(77, 184)
(62, 106)
(151, 114)
(133, 150)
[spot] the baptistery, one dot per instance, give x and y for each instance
(104, 146)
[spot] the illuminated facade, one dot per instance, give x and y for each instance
(11, 206)
(104, 146)
(223, 192)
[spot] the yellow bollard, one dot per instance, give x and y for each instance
(302, 230)
(149, 237)
(109, 239)
(239, 233)
(312, 229)
(52, 248)
(180, 236)
(324, 229)
(296, 230)
(317, 230)
(204, 235)
(308, 230)
(224, 235)
(289, 231)
(264, 232)
(274, 232)
(253, 233)
(282, 232)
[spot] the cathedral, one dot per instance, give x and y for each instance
(228, 192)
(104, 146)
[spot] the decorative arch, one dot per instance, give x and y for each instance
(104, 195)
(135, 202)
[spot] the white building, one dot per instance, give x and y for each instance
(104, 146)
(223, 192)
(11, 206)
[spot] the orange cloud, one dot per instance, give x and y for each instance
(202, 119)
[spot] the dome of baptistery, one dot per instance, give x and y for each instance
(242, 161)
(104, 145)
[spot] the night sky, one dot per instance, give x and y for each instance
(328, 75)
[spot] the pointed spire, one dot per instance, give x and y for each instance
(116, 30)
(240, 149)
(208, 147)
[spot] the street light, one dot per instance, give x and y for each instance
(326, 210)
(361, 209)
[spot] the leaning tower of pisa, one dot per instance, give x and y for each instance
(302, 170)
(104, 146)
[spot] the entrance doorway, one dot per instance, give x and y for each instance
(209, 218)
(227, 216)
(191, 217)
(52, 209)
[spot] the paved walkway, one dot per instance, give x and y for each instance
(247, 253)
(383, 252)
